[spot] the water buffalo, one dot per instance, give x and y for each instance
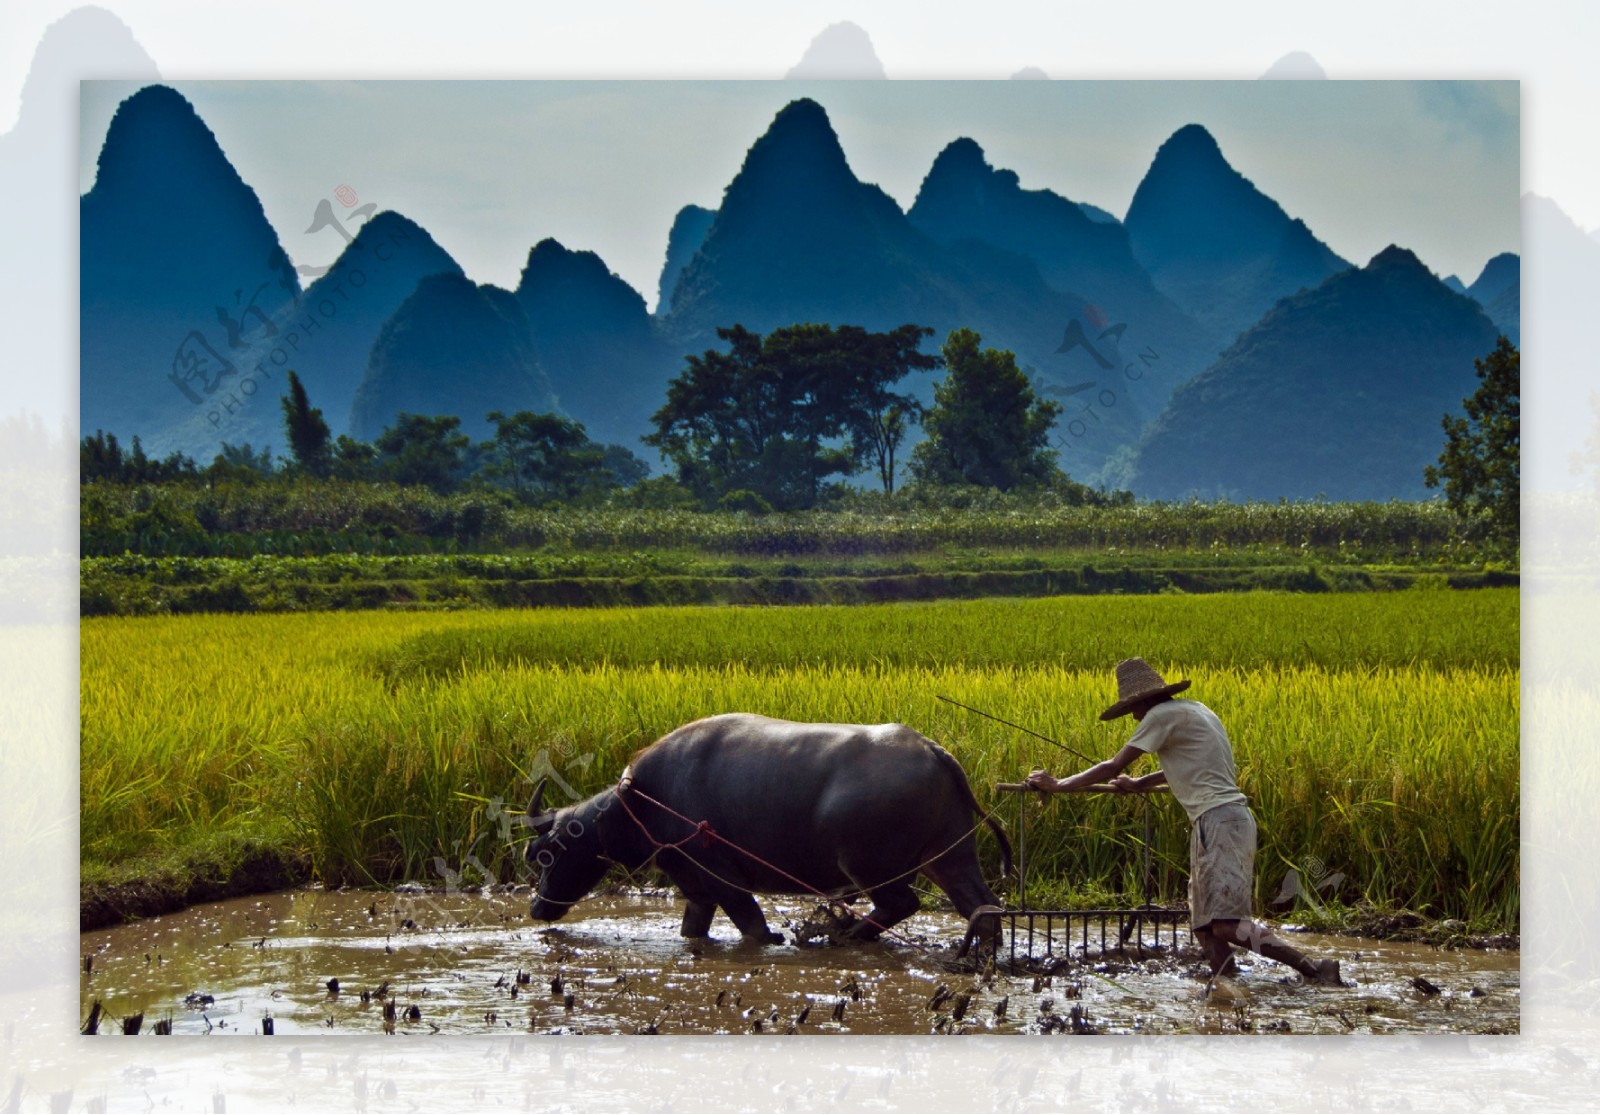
(846, 808)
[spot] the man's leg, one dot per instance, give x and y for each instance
(1259, 938)
(1218, 954)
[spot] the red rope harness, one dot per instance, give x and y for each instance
(709, 835)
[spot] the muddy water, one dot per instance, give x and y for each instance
(471, 963)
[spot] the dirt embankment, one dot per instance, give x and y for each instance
(172, 886)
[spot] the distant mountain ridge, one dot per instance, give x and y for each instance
(1213, 243)
(326, 336)
(1563, 264)
(1504, 270)
(840, 50)
(39, 198)
(964, 198)
(452, 348)
(798, 238)
(1498, 289)
(596, 342)
(1125, 323)
(171, 298)
(1337, 392)
(689, 230)
(390, 255)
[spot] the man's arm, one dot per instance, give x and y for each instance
(1127, 785)
(1100, 772)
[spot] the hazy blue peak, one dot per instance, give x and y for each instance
(556, 271)
(156, 137)
(452, 347)
(1296, 65)
(1509, 262)
(960, 155)
(960, 169)
(1213, 243)
(389, 225)
(1377, 353)
(802, 124)
(840, 50)
(551, 252)
(564, 290)
(689, 229)
(1192, 144)
(387, 222)
(1395, 257)
(796, 166)
(87, 40)
(1503, 271)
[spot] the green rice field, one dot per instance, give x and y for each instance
(1376, 734)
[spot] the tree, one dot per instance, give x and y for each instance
(422, 450)
(777, 416)
(1479, 468)
(236, 462)
(725, 418)
(877, 417)
(623, 467)
(546, 456)
(353, 460)
(101, 458)
(986, 427)
(309, 436)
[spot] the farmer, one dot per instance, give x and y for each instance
(1197, 762)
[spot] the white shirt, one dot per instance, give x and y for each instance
(1194, 751)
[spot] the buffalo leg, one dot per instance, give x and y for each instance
(891, 904)
(964, 885)
(697, 917)
(745, 913)
(969, 894)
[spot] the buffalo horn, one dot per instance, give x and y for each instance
(538, 818)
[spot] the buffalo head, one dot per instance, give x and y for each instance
(566, 854)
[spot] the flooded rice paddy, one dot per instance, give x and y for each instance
(369, 962)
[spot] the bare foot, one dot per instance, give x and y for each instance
(1327, 974)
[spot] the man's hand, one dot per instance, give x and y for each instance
(1042, 781)
(1123, 784)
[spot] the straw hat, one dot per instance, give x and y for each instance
(1136, 680)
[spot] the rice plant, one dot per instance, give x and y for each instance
(1376, 735)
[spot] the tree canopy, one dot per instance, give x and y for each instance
(309, 437)
(545, 456)
(986, 426)
(418, 449)
(1480, 467)
(777, 416)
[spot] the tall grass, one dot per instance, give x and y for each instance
(1254, 630)
(1378, 735)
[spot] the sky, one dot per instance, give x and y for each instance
(490, 168)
